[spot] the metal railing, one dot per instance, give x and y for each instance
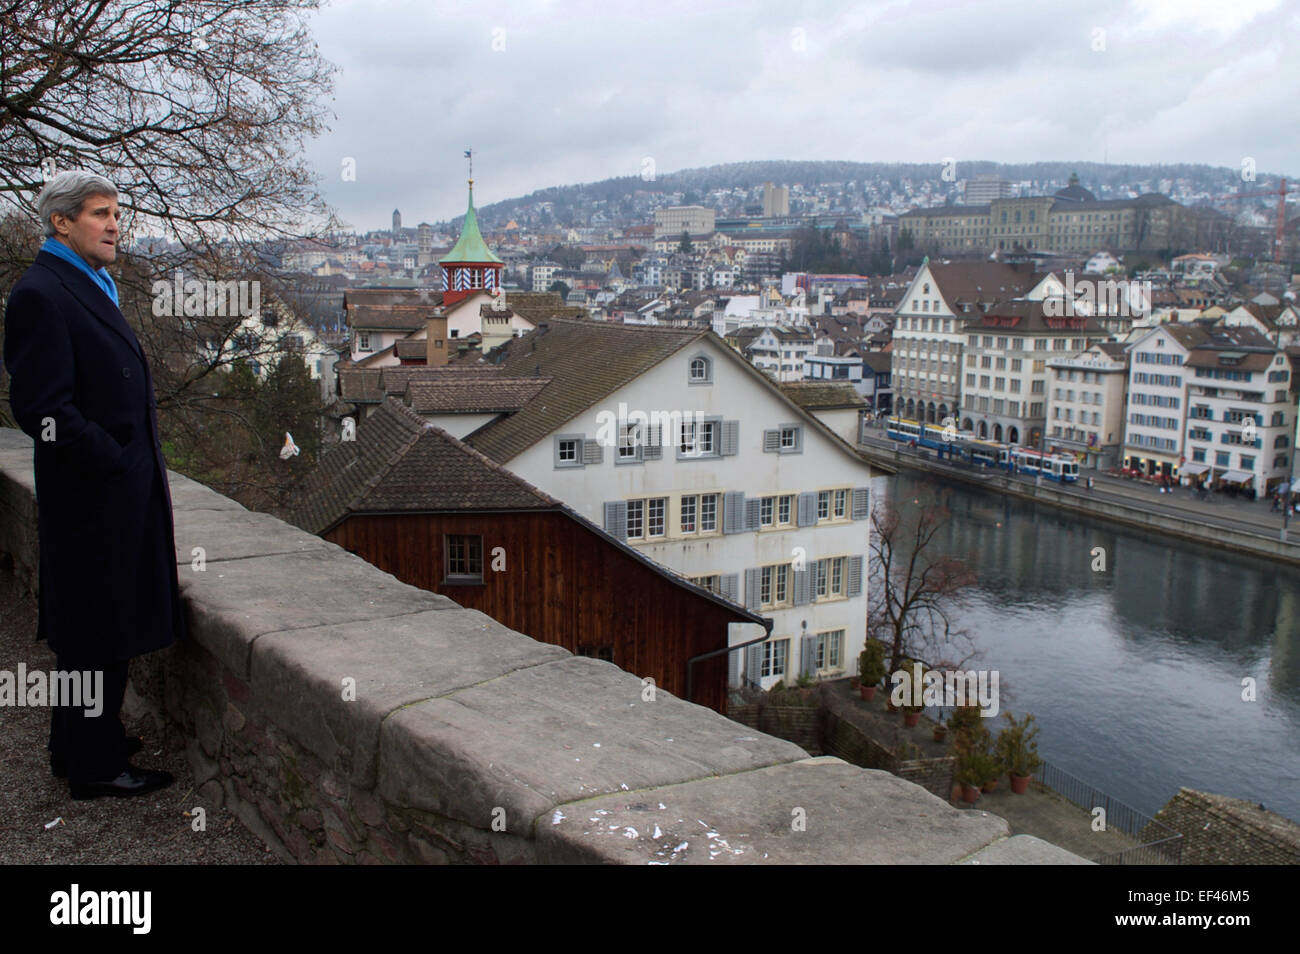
(1160, 844)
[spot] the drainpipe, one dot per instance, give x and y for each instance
(690, 663)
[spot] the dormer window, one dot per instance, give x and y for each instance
(701, 371)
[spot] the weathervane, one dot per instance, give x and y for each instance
(469, 159)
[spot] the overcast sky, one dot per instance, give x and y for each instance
(556, 93)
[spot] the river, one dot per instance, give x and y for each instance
(1135, 673)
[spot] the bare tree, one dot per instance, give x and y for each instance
(915, 588)
(196, 110)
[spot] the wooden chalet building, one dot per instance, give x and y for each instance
(414, 501)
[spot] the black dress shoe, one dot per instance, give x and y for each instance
(131, 745)
(132, 781)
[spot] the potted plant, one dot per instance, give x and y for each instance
(910, 687)
(871, 668)
(975, 761)
(1018, 752)
(940, 732)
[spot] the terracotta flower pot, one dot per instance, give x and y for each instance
(868, 692)
(940, 733)
(989, 786)
(970, 794)
(1020, 784)
(910, 719)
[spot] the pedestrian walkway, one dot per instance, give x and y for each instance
(1213, 509)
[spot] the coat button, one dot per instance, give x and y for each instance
(126, 372)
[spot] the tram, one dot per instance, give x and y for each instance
(1060, 467)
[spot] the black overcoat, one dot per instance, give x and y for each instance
(80, 387)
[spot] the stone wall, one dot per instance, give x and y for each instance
(824, 725)
(348, 717)
(1218, 830)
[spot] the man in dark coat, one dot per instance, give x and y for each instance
(80, 386)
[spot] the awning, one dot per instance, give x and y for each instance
(1238, 476)
(1193, 469)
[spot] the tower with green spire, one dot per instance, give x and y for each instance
(470, 266)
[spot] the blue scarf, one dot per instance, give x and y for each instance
(99, 276)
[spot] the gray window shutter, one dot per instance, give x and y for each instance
(771, 442)
(753, 513)
(730, 438)
(616, 519)
(730, 583)
(753, 578)
(754, 664)
(808, 656)
(735, 668)
(653, 448)
(861, 503)
(855, 576)
(592, 452)
(808, 508)
(733, 511)
(798, 440)
(802, 587)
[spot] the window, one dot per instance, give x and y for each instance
(708, 513)
(635, 519)
(767, 508)
(688, 521)
(830, 649)
(568, 452)
(701, 371)
(823, 505)
(464, 558)
(712, 583)
(699, 439)
(656, 507)
(363, 341)
(785, 504)
(789, 438)
(841, 504)
(629, 443)
(775, 652)
(774, 585)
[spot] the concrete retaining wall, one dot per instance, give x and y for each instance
(348, 717)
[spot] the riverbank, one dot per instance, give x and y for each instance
(1233, 524)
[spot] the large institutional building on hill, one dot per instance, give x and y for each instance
(1070, 220)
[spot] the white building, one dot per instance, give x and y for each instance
(1241, 416)
(670, 440)
(1086, 406)
(1157, 398)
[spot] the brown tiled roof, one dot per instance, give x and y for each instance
(1218, 358)
(400, 463)
(411, 347)
(473, 395)
(878, 361)
(822, 395)
(372, 385)
(980, 282)
(390, 309)
(541, 306)
(586, 361)
(1024, 317)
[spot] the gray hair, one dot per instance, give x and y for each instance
(65, 194)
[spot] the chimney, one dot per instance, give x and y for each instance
(436, 332)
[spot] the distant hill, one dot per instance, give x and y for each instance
(889, 175)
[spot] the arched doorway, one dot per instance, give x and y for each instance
(930, 413)
(1013, 435)
(943, 413)
(967, 425)
(984, 430)
(997, 433)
